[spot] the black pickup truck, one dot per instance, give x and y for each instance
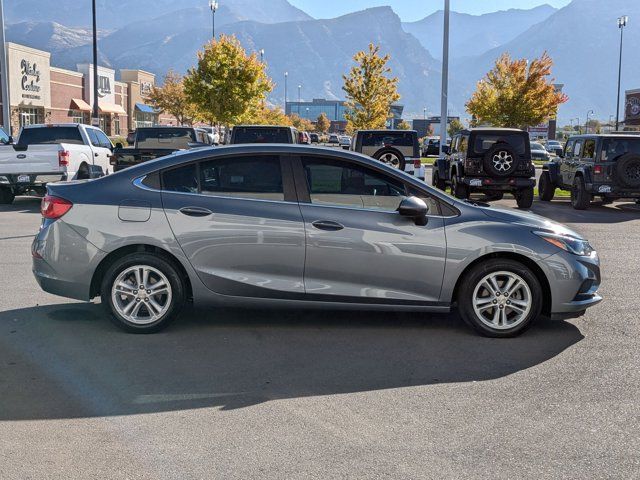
(150, 143)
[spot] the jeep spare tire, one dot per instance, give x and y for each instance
(628, 170)
(500, 160)
(392, 158)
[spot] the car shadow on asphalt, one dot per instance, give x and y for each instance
(69, 361)
(561, 211)
(23, 205)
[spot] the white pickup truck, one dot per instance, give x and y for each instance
(50, 153)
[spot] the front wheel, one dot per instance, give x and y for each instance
(142, 292)
(524, 198)
(459, 189)
(500, 298)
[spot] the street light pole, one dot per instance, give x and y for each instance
(445, 77)
(586, 123)
(299, 96)
(622, 22)
(4, 77)
(95, 121)
(286, 76)
(262, 55)
(213, 5)
(578, 125)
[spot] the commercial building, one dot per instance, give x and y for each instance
(430, 126)
(335, 110)
(41, 93)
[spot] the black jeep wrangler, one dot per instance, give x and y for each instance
(605, 166)
(488, 160)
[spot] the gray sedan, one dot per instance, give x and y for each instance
(303, 227)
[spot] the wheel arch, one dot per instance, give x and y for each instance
(103, 266)
(528, 262)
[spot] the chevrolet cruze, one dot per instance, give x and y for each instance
(303, 227)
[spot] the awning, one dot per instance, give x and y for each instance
(145, 108)
(79, 104)
(111, 108)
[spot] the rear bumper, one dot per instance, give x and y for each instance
(24, 181)
(505, 184)
(612, 191)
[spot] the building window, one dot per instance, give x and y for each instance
(30, 116)
(116, 126)
(76, 116)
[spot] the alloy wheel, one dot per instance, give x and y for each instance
(390, 159)
(502, 161)
(141, 294)
(502, 300)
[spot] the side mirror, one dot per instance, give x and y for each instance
(119, 145)
(414, 208)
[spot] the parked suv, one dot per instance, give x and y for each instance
(488, 160)
(606, 166)
(397, 148)
(263, 134)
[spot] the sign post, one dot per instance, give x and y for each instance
(4, 76)
(95, 116)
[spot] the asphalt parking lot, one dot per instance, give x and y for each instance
(246, 394)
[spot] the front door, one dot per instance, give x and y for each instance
(101, 146)
(358, 247)
(238, 224)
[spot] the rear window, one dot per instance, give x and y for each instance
(261, 135)
(50, 135)
(484, 142)
(178, 138)
(613, 148)
(380, 139)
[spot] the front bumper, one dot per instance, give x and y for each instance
(574, 282)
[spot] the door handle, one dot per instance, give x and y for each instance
(327, 225)
(95, 154)
(195, 212)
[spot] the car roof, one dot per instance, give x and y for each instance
(606, 135)
(492, 129)
(263, 126)
(387, 131)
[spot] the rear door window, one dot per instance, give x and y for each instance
(254, 177)
(181, 179)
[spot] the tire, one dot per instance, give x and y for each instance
(476, 298)
(436, 181)
(546, 188)
(501, 160)
(459, 189)
(83, 172)
(580, 198)
(170, 301)
(627, 171)
(392, 158)
(524, 197)
(6, 196)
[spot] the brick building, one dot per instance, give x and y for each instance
(41, 93)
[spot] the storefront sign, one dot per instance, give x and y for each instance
(30, 79)
(633, 106)
(29, 76)
(104, 86)
(145, 88)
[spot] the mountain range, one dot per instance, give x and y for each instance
(582, 38)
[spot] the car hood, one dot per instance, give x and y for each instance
(530, 220)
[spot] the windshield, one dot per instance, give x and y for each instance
(536, 146)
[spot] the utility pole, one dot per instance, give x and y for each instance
(213, 5)
(299, 97)
(4, 76)
(445, 77)
(95, 120)
(622, 22)
(286, 77)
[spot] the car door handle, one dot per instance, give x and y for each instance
(95, 154)
(327, 225)
(195, 212)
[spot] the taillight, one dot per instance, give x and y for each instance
(417, 163)
(597, 169)
(54, 207)
(63, 158)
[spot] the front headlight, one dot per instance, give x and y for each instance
(568, 244)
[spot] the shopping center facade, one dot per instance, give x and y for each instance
(42, 93)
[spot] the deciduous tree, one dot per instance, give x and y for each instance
(516, 93)
(323, 124)
(370, 90)
(403, 125)
(226, 83)
(300, 123)
(455, 126)
(171, 98)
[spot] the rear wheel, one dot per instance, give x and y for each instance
(524, 197)
(142, 292)
(580, 198)
(546, 189)
(500, 298)
(437, 182)
(459, 189)
(6, 196)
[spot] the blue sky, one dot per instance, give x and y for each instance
(410, 10)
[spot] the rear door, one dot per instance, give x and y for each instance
(359, 249)
(238, 222)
